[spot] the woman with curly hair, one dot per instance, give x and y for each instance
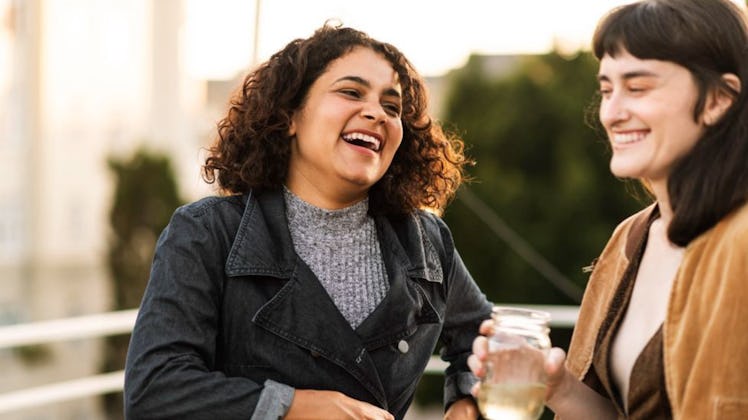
(319, 284)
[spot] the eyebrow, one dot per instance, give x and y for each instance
(628, 75)
(364, 82)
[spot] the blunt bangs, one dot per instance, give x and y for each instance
(647, 30)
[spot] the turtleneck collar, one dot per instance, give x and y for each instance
(307, 216)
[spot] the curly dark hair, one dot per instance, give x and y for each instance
(252, 149)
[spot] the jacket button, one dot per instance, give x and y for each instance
(403, 346)
(315, 354)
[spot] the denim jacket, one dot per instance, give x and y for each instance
(230, 305)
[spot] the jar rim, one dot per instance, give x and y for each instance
(516, 311)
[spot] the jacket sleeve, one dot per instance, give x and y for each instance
(466, 308)
(171, 363)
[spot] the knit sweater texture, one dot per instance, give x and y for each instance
(342, 250)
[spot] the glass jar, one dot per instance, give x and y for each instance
(514, 385)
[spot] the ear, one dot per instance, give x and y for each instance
(292, 126)
(720, 100)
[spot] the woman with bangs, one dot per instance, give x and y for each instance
(662, 327)
(319, 284)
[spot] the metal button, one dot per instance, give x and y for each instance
(315, 354)
(403, 346)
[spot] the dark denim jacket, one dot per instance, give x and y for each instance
(229, 304)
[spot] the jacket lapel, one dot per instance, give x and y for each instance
(301, 312)
(405, 305)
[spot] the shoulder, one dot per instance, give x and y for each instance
(633, 226)
(726, 242)
(733, 229)
(212, 206)
(433, 224)
(626, 237)
(435, 230)
(204, 218)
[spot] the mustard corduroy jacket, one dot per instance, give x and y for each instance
(705, 333)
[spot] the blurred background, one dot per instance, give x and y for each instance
(106, 107)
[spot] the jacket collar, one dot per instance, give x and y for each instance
(263, 245)
(639, 228)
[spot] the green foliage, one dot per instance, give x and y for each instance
(145, 197)
(542, 167)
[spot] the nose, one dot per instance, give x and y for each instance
(612, 110)
(373, 111)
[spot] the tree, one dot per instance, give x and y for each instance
(542, 166)
(145, 196)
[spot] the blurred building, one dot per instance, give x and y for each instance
(80, 81)
(496, 65)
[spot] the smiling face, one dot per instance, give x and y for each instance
(647, 110)
(347, 131)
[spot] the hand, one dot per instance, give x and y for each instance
(476, 361)
(556, 372)
(464, 409)
(568, 397)
(314, 404)
(554, 362)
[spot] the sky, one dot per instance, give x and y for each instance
(436, 35)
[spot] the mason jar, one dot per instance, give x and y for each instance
(514, 384)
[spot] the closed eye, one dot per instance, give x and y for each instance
(392, 109)
(636, 89)
(350, 92)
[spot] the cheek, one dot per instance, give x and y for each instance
(394, 144)
(395, 133)
(681, 121)
(602, 111)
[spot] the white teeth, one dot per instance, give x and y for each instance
(363, 137)
(625, 138)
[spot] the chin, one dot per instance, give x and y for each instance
(362, 180)
(621, 170)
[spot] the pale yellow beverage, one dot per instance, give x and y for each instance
(511, 401)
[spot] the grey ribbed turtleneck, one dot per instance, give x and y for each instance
(342, 250)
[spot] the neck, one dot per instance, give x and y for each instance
(324, 196)
(659, 189)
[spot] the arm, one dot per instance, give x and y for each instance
(568, 397)
(314, 404)
(466, 307)
(171, 364)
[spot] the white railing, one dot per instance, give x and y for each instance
(89, 326)
(121, 322)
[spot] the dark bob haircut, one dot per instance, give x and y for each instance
(252, 149)
(710, 39)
